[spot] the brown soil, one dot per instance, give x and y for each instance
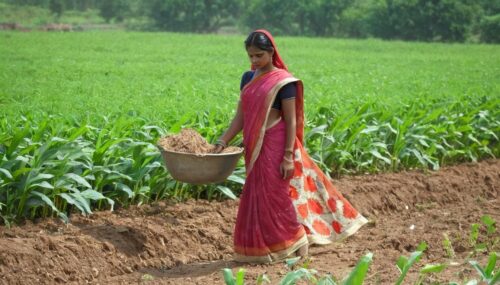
(189, 243)
(190, 141)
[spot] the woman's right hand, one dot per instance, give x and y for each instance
(218, 148)
(220, 145)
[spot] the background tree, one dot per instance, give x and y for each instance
(418, 20)
(56, 7)
(192, 16)
(424, 20)
(490, 29)
(114, 9)
(296, 17)
(283, 19)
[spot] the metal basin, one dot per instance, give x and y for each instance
(200, 169)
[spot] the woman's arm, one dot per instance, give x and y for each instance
(235, 127)
(288, 109)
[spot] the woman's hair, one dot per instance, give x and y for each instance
(259, 40)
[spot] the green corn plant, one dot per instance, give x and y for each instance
(292, 262)
(293, 277)
(262, 278)
(226, 191)
(327, 280)
(429, 269)
(230, 279)
(493, 240)
(405, 263)
(358, 274)
(490, 240)
(448, 246)
(304, 272)
(489, 274)
(5, 219)
(363, 132)
(474, 235)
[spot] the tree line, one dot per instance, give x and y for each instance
(419, 20)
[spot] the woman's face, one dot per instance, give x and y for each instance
(260, 58)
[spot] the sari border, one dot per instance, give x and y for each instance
(272, 257)
(269, 99)
(354, 227)
(257, 79)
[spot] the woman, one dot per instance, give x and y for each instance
(287, 201)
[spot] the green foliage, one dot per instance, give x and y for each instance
(448, 246)
(429, 269)
(358, 274)
(53, 168)
(192, 16)
(489, 274)
(230, 279)
(113, 9)
(421, 20)
(292, 277)
(356, 20)
(262, 278)
(490, 29)
(297, 17)
(56, 7)
(87, 115)
(488, 241)
(425, 20)
(405, 263)
(355, 277)
(28, 16)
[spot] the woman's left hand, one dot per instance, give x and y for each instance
(286, 169)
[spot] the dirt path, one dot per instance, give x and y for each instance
(190, 243)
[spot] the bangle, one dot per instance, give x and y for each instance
(221, 143)
(287, 159)
(289, 150)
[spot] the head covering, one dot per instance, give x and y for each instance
(277, 61)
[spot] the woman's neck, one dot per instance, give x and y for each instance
(265, 69)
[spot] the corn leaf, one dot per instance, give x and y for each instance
(432, 268)
(228, 276)
(78, 179)
(358, 274)
(49, 203)
(226, 191)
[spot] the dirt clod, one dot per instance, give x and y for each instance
(190, 141)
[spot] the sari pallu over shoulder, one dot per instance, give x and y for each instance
(257, 98)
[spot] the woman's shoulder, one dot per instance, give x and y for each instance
(248, 74)
(246, 77)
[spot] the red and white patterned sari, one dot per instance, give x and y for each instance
(276, 216)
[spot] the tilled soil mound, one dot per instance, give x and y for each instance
(190, 141)
(189, 243)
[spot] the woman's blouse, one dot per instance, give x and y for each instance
(288, 91)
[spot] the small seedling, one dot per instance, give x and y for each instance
(450, 252)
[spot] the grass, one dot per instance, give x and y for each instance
(103, 72)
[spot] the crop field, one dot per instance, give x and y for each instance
(80, 115)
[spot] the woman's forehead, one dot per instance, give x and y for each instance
(254, 50)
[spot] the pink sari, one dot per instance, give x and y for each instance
(276, 216)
